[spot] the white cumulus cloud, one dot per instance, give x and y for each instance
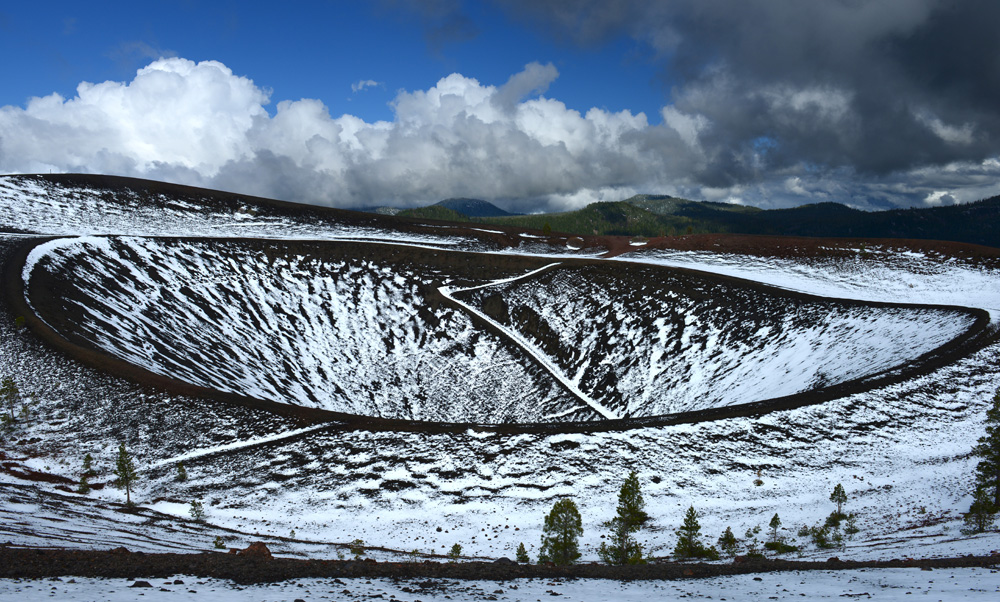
(365, 83)
(201, 124)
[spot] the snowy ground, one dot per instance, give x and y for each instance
(902, 453)
(887, 585)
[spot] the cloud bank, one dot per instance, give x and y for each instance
(816, 101)
(199, 123)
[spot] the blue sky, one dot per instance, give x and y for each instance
(533, 104)
(309, 50)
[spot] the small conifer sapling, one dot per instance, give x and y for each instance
(839, 497)
(125, 474)
(728, 543)
(522, 554)
(775, 524)
(688, 541)
(87, 474)
(10, 395)
(197, 511)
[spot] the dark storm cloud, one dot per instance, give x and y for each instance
(875, 86)
(773, 103)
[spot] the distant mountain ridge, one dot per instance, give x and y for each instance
(473, 207)
(663, 215)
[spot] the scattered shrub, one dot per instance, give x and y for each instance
(826, 537)
(851, 529)
(454, 553)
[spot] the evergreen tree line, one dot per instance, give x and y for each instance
(563, 527)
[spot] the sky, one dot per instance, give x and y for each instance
(537, 105)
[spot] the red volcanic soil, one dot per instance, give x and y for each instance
(245, 566)
(791, 246)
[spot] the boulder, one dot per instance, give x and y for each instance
(256, 550)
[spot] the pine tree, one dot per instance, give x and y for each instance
(454, 553)
(563, 527)
(728, 543)
(688, 544)
(839, 497)
(687, 536)
(775, 524)
(125, 474)
(198, 512)
(988, 452)
(10, 394)
(981, 513)
(522, 554)
(182, 474)
(624, 549)
(88, 472)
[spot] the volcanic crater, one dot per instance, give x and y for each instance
(389, 332)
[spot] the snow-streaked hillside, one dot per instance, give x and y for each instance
(342, 327)
(325, 326)
(645, 341)
(900, 450)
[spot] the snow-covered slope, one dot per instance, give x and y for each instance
(900, 450)
(320, 326)
(645, 341)
(342, 327)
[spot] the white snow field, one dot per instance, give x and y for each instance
(901, 451)
(888, 585)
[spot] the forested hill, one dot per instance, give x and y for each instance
(653, 215)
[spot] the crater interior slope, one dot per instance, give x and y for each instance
(364, 330)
